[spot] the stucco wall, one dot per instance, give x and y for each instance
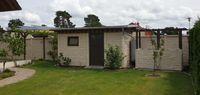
(171, 60)
(78, 54)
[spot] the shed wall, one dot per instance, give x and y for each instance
(78, 54)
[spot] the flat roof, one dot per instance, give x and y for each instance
(9, 5)
(126, 28)
(88, 29)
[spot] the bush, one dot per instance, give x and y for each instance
(114, 57)
(194, 55)
(63, 61)
(7, 71)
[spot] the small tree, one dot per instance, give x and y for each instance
(3, 57)
(16, 46)
(157, 54)
(114, 57)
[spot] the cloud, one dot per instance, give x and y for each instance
(154, 13)
(27, 17)
(31, 17)
(4, 17)
(71, 6)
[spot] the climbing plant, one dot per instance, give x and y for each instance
(54, 49)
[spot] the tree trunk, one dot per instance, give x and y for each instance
(4, 65)
(15, 63)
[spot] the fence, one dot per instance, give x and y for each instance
(34, 48)
(173, 58)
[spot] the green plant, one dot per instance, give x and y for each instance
(7, 71)
(194, 55)
(16, 46)
(114, 57)
(3, 57)
(157, 54)
(64, 61)
(54, 49)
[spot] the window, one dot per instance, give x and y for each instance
(73, 41)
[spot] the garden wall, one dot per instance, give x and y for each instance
(34, 48)
(171, 60)
(171, 42)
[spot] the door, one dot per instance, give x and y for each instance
(96, 48)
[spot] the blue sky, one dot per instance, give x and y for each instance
(150, 13)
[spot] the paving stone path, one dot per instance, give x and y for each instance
(20, 74)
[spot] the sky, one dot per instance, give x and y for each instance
(149, 13)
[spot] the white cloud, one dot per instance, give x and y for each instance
(27, 17)
(71, 6)
(4, 17)
(31, 17)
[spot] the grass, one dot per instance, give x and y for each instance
(51, 80)
(6, 74)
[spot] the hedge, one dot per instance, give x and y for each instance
(194, 53)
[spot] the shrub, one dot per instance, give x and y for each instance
(7, 71)
(194, 55)
(63, 61)
(114, 57)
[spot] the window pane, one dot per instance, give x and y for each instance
(73, 41)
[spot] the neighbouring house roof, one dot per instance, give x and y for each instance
(128, 28)
(9, 5)
(34, 27)
(37, 28)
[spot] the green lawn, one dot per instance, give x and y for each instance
(51, 80)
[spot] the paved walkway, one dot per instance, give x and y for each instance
(20, 74)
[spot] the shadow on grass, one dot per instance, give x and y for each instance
(178, 83)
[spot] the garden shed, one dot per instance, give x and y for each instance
(85, 46)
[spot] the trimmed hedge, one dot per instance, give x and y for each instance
(194, 53)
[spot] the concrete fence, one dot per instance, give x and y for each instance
(173, 58)
(34, 48)
(171, 43)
